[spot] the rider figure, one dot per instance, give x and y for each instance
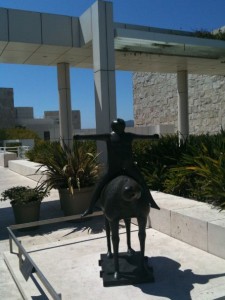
(120, 160)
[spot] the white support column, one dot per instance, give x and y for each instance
(103, 65)
(183, 118)
(65, 114)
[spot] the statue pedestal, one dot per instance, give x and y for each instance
(130, 272)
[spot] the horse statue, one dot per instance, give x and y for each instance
(120, 199)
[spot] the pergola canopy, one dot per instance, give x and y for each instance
(56, 38)
(95, 41)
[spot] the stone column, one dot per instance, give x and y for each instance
(103, 65)
(65, 114)
(104, 68)
(183, 118)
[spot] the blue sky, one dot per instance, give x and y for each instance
(37, 86)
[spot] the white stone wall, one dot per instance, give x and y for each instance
(155, 101)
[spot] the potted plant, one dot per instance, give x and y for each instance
(74, 173)
(25, 202)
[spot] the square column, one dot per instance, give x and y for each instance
(183, 118)
(103, 65)
(65, 112)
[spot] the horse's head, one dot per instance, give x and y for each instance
(131, 190)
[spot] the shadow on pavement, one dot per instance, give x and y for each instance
(172, 282)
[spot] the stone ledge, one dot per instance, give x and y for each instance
(6, 157)
(193, 222)
(27, 168)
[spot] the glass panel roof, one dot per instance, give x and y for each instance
(168, 44)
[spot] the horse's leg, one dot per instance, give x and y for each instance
(107, 229)
(127, 224)
(114, 225)
(142, 221)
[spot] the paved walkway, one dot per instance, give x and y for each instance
(68, 255)
(49, 209)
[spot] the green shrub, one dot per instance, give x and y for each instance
(194, 168)
(24, 194)
(200, 173)
(207, 173)
(41, 151)
(155, 158)
(219, 35)
(18, 133)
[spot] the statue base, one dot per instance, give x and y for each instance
(130, 271)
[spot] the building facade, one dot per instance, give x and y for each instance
(47, 127)
(155, 101)
(7, 112)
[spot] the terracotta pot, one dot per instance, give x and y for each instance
(77, 203)
(27, 213)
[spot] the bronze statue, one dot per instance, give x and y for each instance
(122, 199)
(120, 160)
(122, 194)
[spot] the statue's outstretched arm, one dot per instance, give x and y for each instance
(145, 136)
(94, 137)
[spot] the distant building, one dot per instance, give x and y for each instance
(7, 112)
(54, 115)
(24, 113)
(47, 128)
(129, 123)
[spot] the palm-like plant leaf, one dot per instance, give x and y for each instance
(71, 168)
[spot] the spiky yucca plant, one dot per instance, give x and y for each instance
(71, 168)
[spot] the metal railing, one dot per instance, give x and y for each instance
(26, 263)
(19, 150)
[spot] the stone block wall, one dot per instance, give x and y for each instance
(155, 101)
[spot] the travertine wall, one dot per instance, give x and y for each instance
(155, 101)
